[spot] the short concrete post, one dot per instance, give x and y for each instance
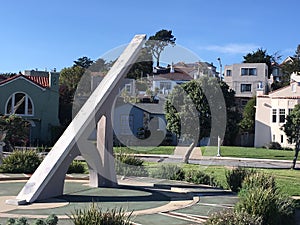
(106, 177)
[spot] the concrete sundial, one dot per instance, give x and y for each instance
(48, 180)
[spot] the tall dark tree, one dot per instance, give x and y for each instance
(100, 65)
(188, 111)
(261, 56)
(292, 130)
(293, 65)
(143, 65)
(68, 80)
(83, 62)
(159, 41)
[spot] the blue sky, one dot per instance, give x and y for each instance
(52, 34)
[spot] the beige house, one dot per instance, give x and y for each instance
(271, 111)
(245, 79)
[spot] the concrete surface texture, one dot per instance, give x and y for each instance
(152, 201)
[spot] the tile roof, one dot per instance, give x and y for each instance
(38, 80)
(173, 76)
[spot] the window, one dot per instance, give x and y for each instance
(294, 88)
(281, 115)
(260, 85)
(165, 85)
(128, 88)
(19, 103)
(281, 138)
(274, 138)
(275, 71)
(245, 87)
(290, 110)
(228, 73)
(248, 71)
(274, 115)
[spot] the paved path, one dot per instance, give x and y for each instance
(222, 161)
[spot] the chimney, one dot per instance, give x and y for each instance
(172, 68)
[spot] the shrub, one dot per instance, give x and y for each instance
(95, 216)
(128, 165)
(76, 167)
(259, 180)
(169, 171)
(236, 177)
(274, 145)
(50, 220)
(230, 217)
(199, 177)
(21, 162)
(267, 203)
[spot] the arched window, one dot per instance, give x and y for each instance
(20, 104)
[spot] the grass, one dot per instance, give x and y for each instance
(226, 151)
(160, 150)
(244, 152)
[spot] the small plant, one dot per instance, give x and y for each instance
(231, 217)
(21, 221)
(128, 165)
(76, 167)
(95, 216)
(21, 162)
(259, 180)
(50, 220)
(236, 177)
(269, 204)
(199, 177)
(169, 171)
(274, 145)
(39, 222)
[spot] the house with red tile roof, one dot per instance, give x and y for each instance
(33, 95)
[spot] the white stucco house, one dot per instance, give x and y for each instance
(165, 83)
(271, 111)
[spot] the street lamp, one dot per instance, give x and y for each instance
(220, 63)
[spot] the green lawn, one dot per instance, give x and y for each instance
(244, 152)
(226, 151)
(160, 150)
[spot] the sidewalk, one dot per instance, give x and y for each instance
(221, 161)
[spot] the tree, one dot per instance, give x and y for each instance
(188, 111)
(292, 130)
(159, 41)
(83, 62)
(16, 130)
(292, 66)
(261, 56)
(142, 66)
(69, 79)
(248, 122)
